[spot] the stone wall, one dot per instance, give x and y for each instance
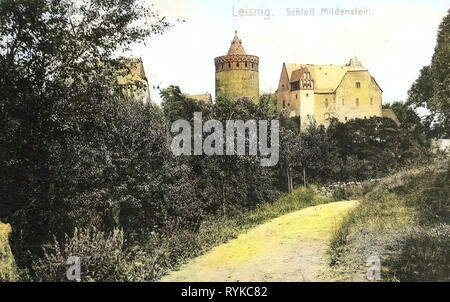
(238, 83)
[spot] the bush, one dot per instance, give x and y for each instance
(103, 257)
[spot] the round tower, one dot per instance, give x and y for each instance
(237, 74)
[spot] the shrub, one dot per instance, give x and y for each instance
(103, 257)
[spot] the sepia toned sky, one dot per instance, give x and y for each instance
(393, 39)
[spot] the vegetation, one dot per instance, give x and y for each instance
(404, 220)
(432, 89)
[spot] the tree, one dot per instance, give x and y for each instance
(432, 88)
(61, 113)
(411, 124)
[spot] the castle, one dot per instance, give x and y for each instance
(237, 73)
(322, 92)
(133, 80)
(311, 92)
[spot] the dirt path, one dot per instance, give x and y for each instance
(289, 248)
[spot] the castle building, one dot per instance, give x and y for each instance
(202, 97)
(133, 80)
(237, 73)
(322, 92)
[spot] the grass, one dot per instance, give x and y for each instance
(405, 221)
(170, 251)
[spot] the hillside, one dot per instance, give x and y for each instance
(405, 221)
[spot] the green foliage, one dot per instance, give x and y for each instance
(103, 257)
(72, 146)
(370, 148)
(431, 89)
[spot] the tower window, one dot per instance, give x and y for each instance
(237, 64)
(296, 96)
(358, 84)
(346, 118)
(357, 102)
(253, 65)
(222, 66)
(246, 65)
(284, 104)
(289, 104)
(229, 65)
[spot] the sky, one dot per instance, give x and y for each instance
(392, 39)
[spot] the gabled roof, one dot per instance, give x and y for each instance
(326, 77)
(297, 74)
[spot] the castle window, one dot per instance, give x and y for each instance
(289, 104)
(296, 96)
(237, 64)
(253, 65)
(371, 101)
(357, 102)
(246, 65)
(295, 86)
(326, 103)
(284, 104)
(358, 84)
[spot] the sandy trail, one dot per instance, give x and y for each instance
(288, 248)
